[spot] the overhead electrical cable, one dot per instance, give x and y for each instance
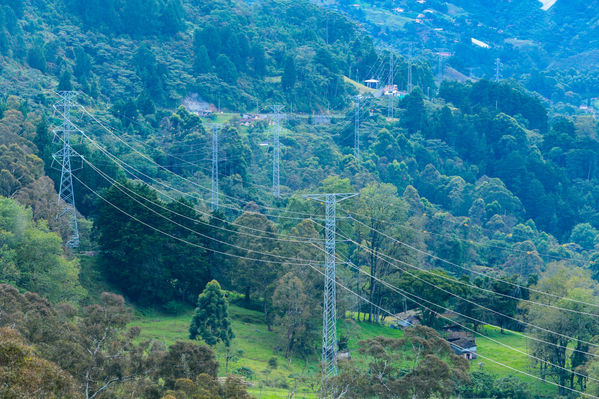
(459, 347)
(476, 272)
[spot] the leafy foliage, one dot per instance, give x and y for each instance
(152, 268)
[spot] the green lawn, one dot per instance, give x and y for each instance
(505, 355)
(258, 346)
(257, 343)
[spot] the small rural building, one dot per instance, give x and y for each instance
(372, 83)
(463, 343)
(410, 318)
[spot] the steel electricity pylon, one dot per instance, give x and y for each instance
(391, 105)
(67, 211)
(410, 77)
(497, 69)
(357, 127)
(329, 308)
(214, 193)
(276, 151)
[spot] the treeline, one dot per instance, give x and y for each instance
(135, 17)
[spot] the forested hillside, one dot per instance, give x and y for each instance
(471, 208)
(553, 52)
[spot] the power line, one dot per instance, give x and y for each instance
(120, 163)
(124, 189)
(473, 271)
(261, 260)
(383, 256)
(388, 237)
(421, 251)
(182, 177)
(188, 242)
(457, 346)
(384, 283)
(405, 293)
(418, 302)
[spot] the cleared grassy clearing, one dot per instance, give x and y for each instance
(258, 346)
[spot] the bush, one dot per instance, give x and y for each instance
(510, 387)
(273, 362)
(174, 308)
(245, 372)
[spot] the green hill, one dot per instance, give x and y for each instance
(477, 200)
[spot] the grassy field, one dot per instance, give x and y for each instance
(258, 347)
(505, 355)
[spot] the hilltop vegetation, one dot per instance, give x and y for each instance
(143, 53)
(551, 52)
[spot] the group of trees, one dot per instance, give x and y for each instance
(420, 365)
(155, 251)
(61, 351)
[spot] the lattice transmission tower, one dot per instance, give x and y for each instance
(357, 127)
(410, 77)
(214, 193)
(497, 69)
(329, 308)
(67, 211)
(276, 151)
(391, 106)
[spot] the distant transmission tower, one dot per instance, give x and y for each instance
(67, 211)
(214, 193)
(390, 84)
(276, 152)
(440, 67)
(497, 69)
(357, 127)
(410, 78)
(329, 308)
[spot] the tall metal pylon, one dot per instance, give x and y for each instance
(276, 151)
(410, 78)
(357, 127)
(497, 69)
(390, 84)
(329, 308)
(214, 193)
(67, 210)
(440, 68)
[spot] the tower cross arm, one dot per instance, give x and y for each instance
(338, 196)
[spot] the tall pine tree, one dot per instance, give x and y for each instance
(211, 319)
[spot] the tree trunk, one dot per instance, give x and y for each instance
(373, 262)
(267, 316)
(247, 296)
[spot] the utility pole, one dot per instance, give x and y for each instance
(357, 127)
(214, 193)
(276, 151)
(390, 84)
(329, 308)
(497, 69)
(67, 212)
